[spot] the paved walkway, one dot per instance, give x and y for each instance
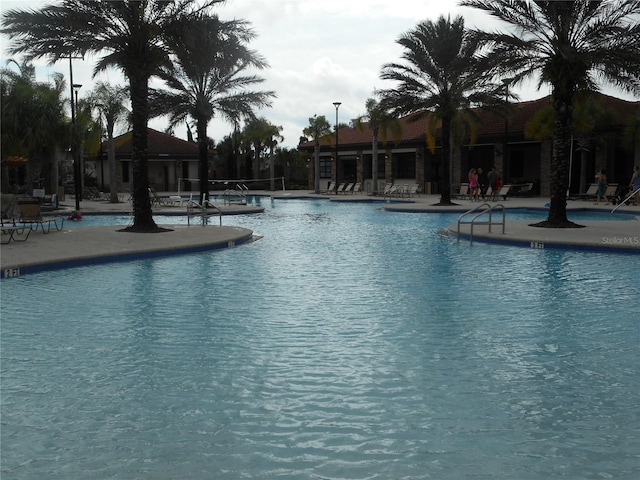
(80, 246)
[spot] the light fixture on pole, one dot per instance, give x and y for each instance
(337, 105)
(77, 188)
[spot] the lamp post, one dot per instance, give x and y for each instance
(505, 150)
(337, 105)
(77, 188)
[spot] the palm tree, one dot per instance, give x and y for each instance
(109, 101)
(570, 45)
(214, 82)
(319, 128)
(132, 33)
(33, 121)
(259, 133)
(442, 77)
(379, 121)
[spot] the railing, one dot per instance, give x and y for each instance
(195, 209)
(481, 210)
(237, 195)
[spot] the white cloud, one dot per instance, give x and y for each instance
(319, 51)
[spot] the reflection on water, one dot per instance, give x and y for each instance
(347, 343)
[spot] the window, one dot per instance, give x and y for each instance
(325, 167)
(406, 163)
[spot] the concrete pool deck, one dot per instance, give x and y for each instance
(81, 246)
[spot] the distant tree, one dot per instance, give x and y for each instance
(318, 129)
(570, 45)
(443, 78)
(380, 121)
(260, 134)
(34, 125)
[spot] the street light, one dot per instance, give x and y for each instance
(74, 136)
(337, 105)
(505, 156)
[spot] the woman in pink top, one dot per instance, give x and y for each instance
(473, 185)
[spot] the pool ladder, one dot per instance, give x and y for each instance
(195, 209)
(479, 211)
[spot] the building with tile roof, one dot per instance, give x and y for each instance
(524, 160)
(172, 162)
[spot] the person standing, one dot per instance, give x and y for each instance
(473, 185)
(492, 177)
(601, 178)
(634, 184)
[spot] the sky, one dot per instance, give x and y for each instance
(319, 52)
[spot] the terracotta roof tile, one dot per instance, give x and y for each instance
(159, 145)
(491, 124)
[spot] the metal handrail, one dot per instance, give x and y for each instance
(192, 205)
(486, 208)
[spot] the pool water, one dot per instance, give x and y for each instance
(347, 343)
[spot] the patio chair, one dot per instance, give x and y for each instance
(414, 190)
(330, 188)
(504, 192)
(158, 200)
(340, 188)
(17, 234)
(30, 214)
(347, 189)
(589, 194)
(387, 189)
(463, 192)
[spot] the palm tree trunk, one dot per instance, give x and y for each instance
(113, 174)
(444, 182)
(559, 168)
(142, 214)
(203, 159)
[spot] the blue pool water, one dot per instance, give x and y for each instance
(348, 343)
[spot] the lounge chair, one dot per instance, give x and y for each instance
(330, 188)
(463, 192)
(357, 188)
(347, 189)
(610, 192)
(158, 200)
(414, 190)
(31, 215)
(589, 194)
(387, 189)
(504, 192)
(340, 188)
(395, 190)
(17, 234)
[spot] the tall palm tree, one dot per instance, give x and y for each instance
(442, 77)
(207, 77)
(259, 133)
(380, 122)
(570, 45)
(319, 128)
(132, 33)
(109, 100)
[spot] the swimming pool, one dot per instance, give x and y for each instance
(347, 343)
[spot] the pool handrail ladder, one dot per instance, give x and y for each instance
(481, 210)
(195, 209)
(627, 198)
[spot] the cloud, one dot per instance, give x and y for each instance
(319, 52)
